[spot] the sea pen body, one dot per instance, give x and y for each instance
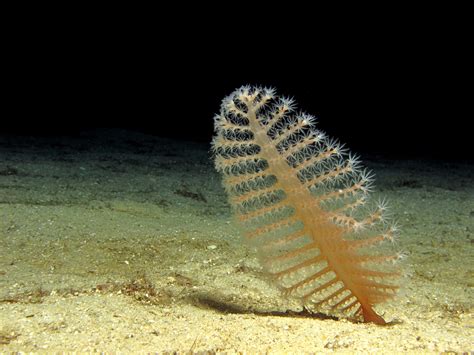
(302, 202)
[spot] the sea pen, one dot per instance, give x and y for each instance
(302, 201)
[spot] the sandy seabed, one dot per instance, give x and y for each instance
(119, 241)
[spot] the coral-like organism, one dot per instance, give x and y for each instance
(302, 200)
